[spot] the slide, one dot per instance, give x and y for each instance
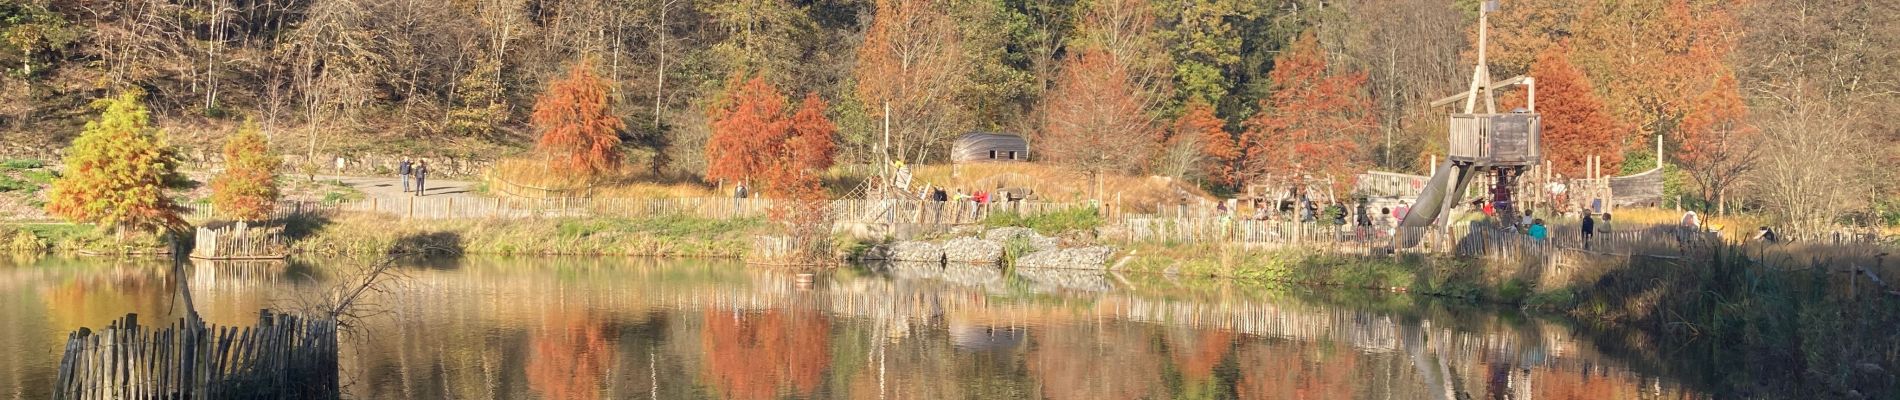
(1431, 200)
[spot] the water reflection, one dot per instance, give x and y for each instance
(591, 328)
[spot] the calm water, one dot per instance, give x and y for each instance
(564, 328)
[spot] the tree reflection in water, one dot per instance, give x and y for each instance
(572, 351)
(752, 355)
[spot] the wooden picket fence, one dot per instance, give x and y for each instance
(240, 241)
(1474, 239)
(282, 357)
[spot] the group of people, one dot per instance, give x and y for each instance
(418, 171)
(977, 202)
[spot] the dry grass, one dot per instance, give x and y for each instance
(1732, 225)
(527, 178)
(1059, 184)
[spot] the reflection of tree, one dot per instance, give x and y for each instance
(1076, 362)
(1550, 383)
(752, 355)
(571, 353)
(1196, 359)
(1295, 371)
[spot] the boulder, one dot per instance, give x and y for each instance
(916, 251)
(973, 251)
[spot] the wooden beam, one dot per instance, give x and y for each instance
(1494, 85)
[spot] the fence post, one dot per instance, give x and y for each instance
(411, 213)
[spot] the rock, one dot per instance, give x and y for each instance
(1095, 257)
(1000, 235)
(1043, 243)
(973, 251)
(916, 251)
(1051, 279)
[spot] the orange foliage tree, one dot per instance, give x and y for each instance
(1576, 125)
(579, 133)
(1218, 152)
(1718, 144)
(748, 122)
(753, 140)
(1648, 61)
(913, 59)
(247, 189)
(118, 170)
(753, 355)
(1314, 123)
(1097, 119)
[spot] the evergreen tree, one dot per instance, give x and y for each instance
(118, 170)
(247, 189)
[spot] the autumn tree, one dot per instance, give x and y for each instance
(247, 189)
(579, 133)
(748, 124)
(1576, 124)
(1314, 124)
(118, 170)
(912, 59)
(1647, 61)
(1718, 143)
(1095, 108)
(784, 156)
(1199, 141)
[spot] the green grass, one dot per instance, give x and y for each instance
(652, 236)
(1077, 219)
(21, 164)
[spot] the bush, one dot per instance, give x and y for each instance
(1077, 219)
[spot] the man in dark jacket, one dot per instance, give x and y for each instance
(421, 172)
(402, 172)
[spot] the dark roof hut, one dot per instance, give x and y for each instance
(984, 146)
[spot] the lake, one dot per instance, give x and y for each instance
(636, 328)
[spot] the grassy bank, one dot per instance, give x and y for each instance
(1739, 322)
(1433, 275)
(1817, 329)
(352, 234)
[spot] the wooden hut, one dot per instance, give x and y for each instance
(989, 147)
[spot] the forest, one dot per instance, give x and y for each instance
(1782, 106)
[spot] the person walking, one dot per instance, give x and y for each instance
(421, 172)
(1603, 226)
(403, 169)
(1589, 229)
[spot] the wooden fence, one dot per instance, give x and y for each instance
(283, 357)
(240, 241)
(1474, 239)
